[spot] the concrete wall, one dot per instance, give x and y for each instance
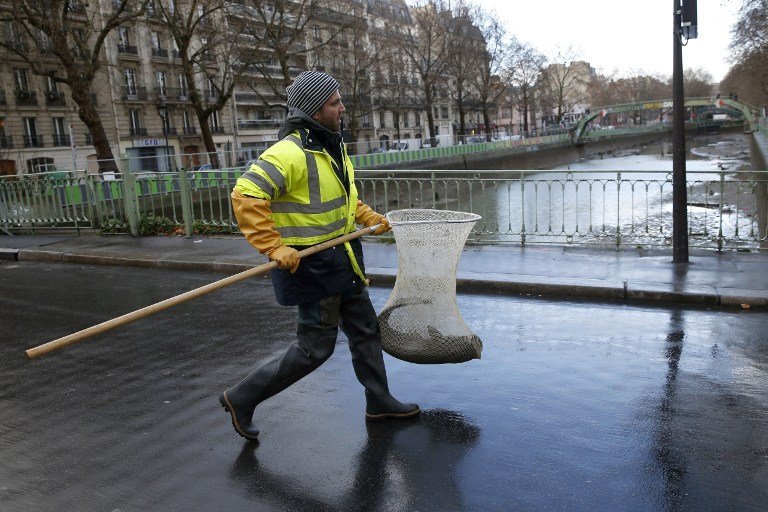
(531, 157)
(759, 151)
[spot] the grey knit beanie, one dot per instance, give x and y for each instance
(310, 90)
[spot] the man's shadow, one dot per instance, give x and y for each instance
(407, 464)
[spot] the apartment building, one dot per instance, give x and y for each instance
(144, 97)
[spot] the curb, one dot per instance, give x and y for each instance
(466, 282)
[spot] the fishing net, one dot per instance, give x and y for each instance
(421, 322)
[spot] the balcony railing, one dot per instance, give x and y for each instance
(61, 140)
(6, 142)
(190, 130)
(16, 46)
(176, 54)
(160, 53)
(170, 131)
(135, 93)
(33, 141)
(171, 94)
(2, 97)
(26, 97)
(217, 129)
(54, 98)
(257, 124)
(138, 131)
(127, 49)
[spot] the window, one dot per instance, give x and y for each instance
(60, 137)
(162, 86)
(51, 85)
(155, 38)
(129, 77)
(20, 79)
(31, 139)
(40, 164)
(135, 117)
(215, 128)
(122, 36)
(187, 120)
(5, 141)
(406, 119)
(182, 86)
(444, 112)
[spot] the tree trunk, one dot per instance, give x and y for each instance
(90, 117)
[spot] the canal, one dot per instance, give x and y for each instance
(620, 197)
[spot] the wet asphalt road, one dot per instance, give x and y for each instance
(574, 406)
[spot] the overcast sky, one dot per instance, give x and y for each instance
(625, 36)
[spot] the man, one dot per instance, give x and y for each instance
(301, 192)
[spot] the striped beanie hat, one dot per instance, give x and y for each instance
(310, 90)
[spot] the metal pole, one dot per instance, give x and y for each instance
(679, 192)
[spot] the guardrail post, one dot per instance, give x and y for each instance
(618, 210)
(720, 210)
(186, 202)
(94, 206)
(130, 201)
(522, 209)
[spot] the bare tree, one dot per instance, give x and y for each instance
(750, 34)
(285, 33)
(490, 60)
(466, 42)
(74, 33)
(424, 45)
(522, 73)
(747, 81)
(563, 84)
(351, 58)
(209, 56)
(697, 83)
(749, 49)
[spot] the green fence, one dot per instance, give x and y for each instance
(119, 203)
(726, 209)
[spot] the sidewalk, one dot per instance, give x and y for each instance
(731, 278)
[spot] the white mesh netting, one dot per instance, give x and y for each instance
(421, 322)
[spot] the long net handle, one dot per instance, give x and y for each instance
(178, 299)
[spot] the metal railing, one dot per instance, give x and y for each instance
(725, 209)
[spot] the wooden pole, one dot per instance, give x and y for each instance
(178, 299)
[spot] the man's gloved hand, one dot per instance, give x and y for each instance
(365, 215)
(383, 226)
(287, 258)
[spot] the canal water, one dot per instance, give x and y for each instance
(626, 197)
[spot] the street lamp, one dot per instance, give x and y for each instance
(162, 111)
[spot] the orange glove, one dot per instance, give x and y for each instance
(365, 215)
(254, 218)
(287, 258)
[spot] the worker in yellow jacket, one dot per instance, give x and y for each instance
(301, 192)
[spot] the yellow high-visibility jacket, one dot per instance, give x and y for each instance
(308, 200)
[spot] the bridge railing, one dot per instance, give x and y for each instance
(725, 209)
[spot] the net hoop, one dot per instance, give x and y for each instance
(427, 216)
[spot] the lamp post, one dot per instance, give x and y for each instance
(162, 111)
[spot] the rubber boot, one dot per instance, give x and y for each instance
(361, 326)
(314, 346)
